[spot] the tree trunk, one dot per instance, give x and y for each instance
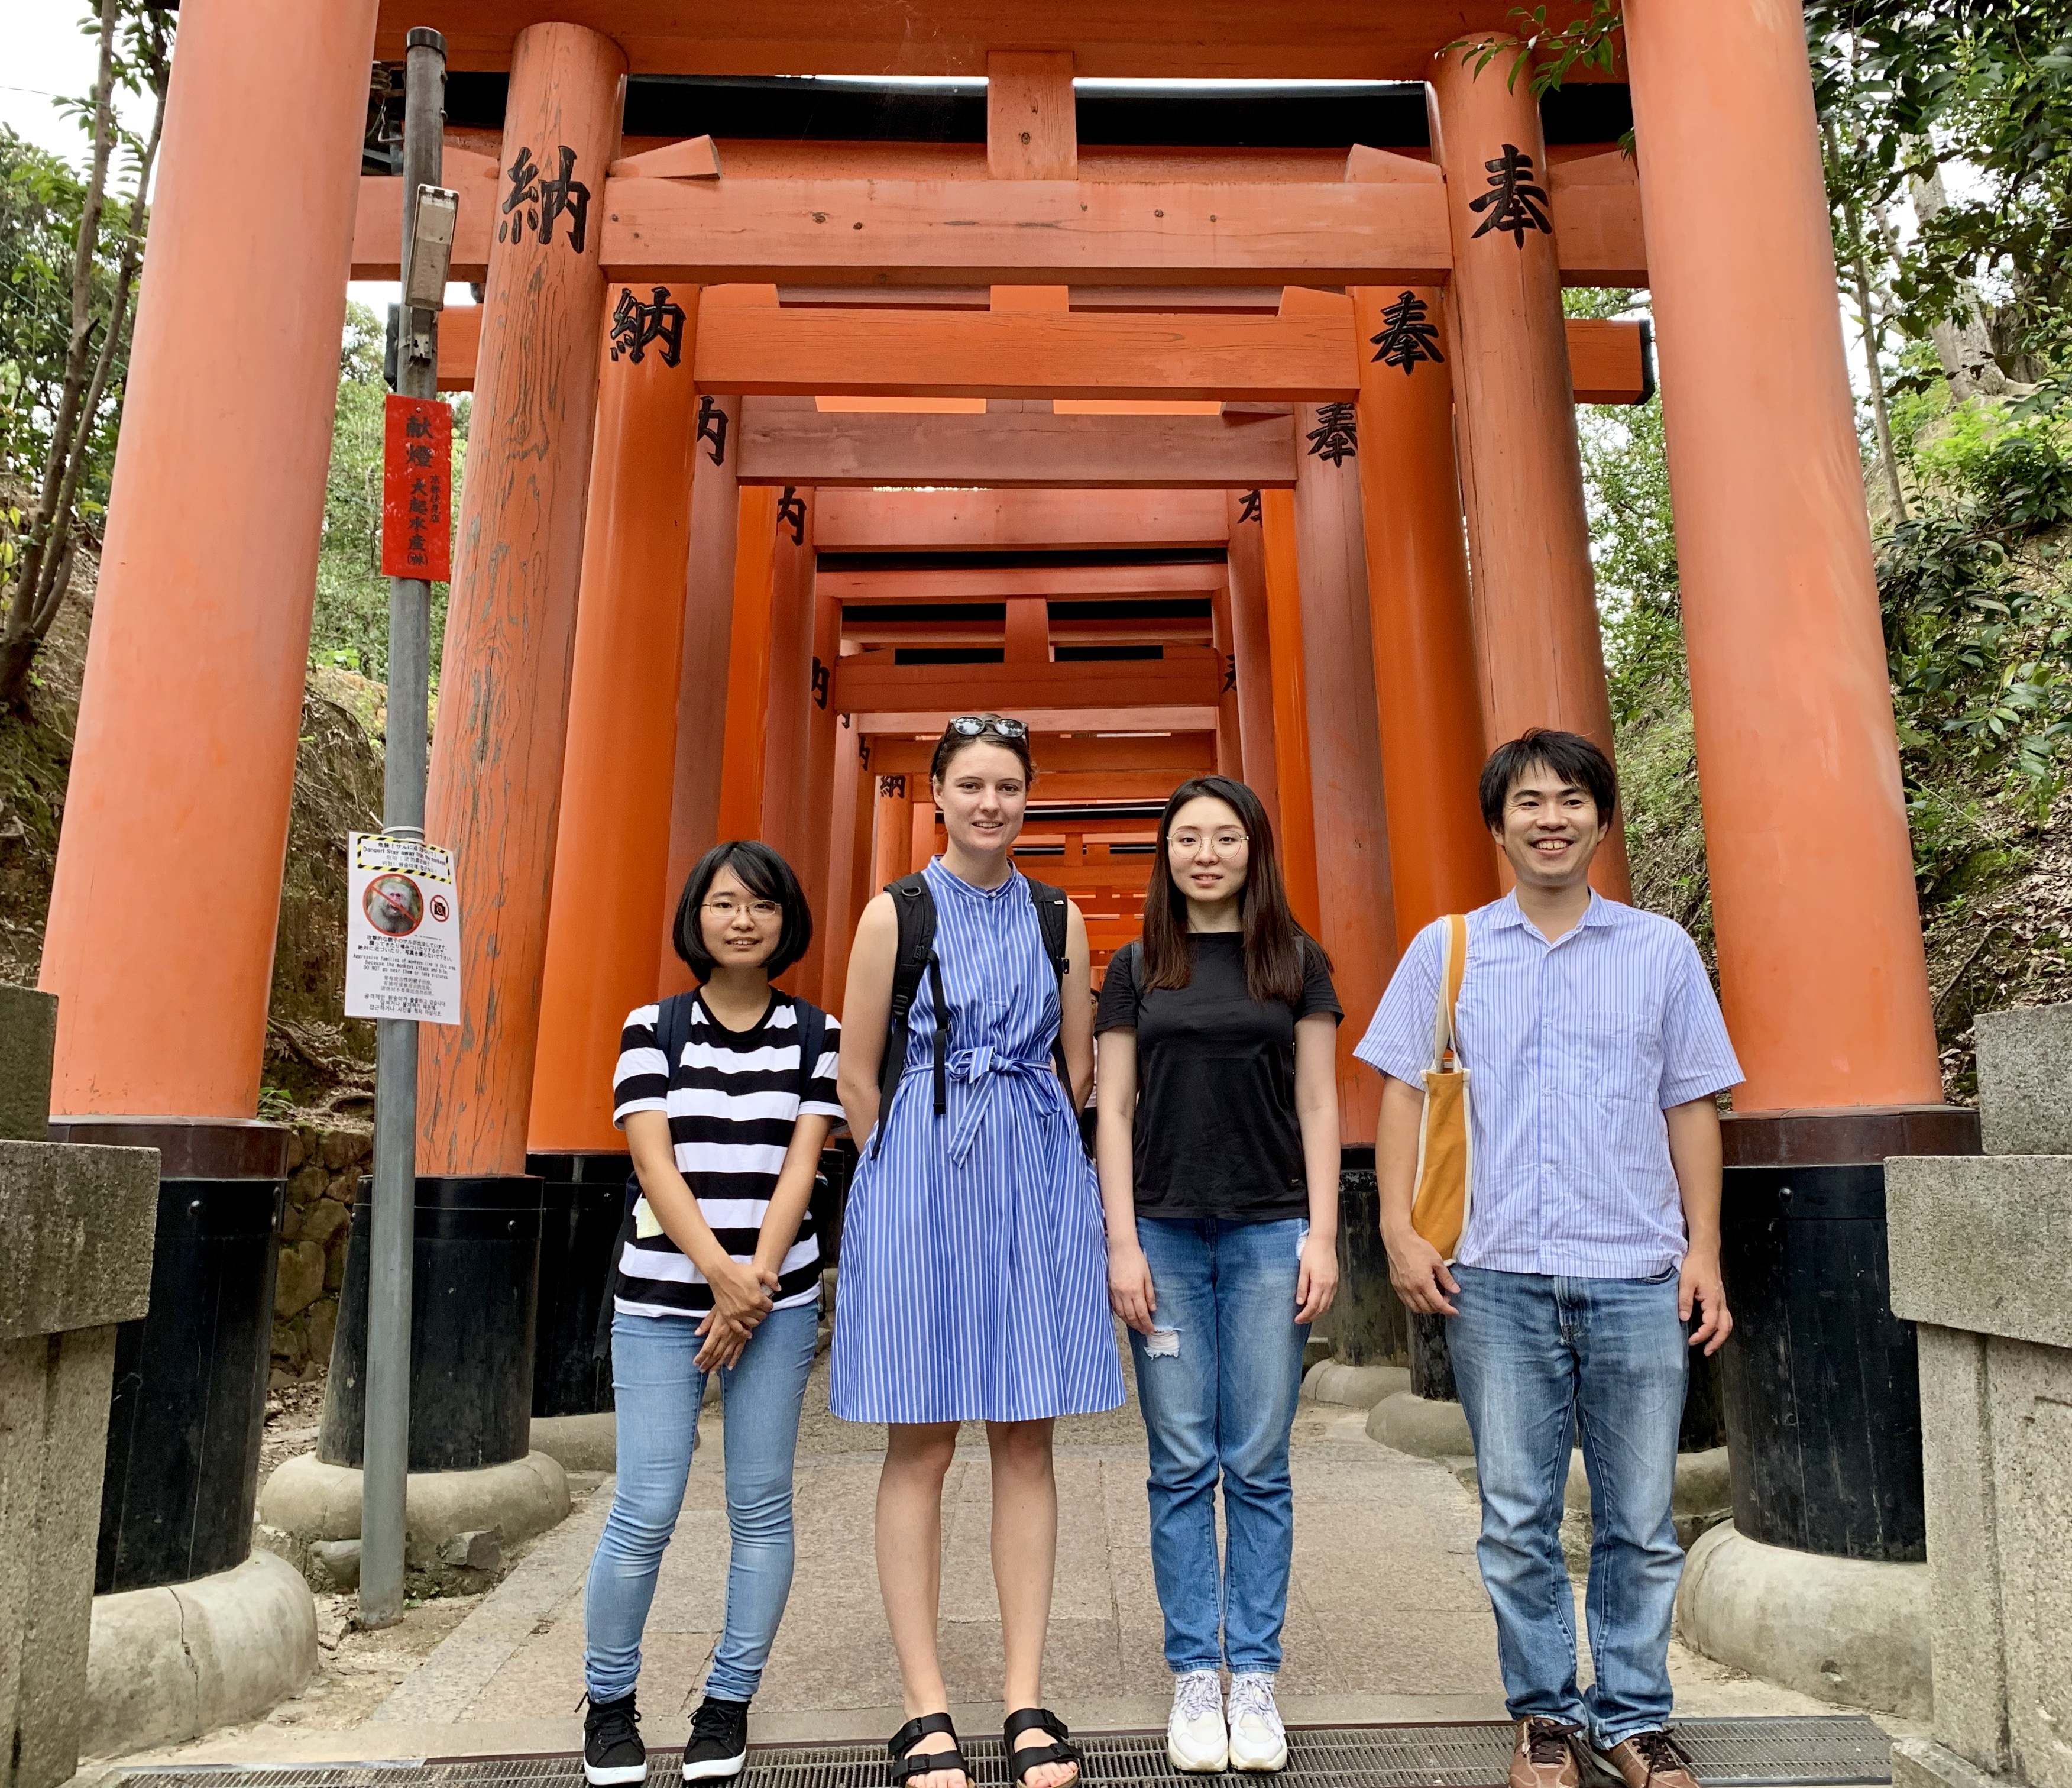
(1963, 346)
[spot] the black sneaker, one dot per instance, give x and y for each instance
(718, 1749)
(612, 1750)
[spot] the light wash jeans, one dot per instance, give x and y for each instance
(1218, 1382)
(658, 1391)
(1536, 1360)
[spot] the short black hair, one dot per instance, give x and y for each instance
(1568, 754)
(765, 874)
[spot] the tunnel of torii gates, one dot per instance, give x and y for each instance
(1253, 459)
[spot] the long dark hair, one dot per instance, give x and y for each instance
(1274, 944)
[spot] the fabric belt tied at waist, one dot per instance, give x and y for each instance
(978, 1068)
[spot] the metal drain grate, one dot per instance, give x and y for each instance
(1729, 1754)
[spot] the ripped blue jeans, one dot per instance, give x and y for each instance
(1218, 1381)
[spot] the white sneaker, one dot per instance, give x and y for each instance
(1196, 1742)
(1258, 1740)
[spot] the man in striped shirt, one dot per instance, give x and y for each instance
(1595, 1050)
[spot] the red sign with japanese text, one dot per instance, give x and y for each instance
(416, 489)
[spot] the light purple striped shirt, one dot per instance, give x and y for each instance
(1574, 1049)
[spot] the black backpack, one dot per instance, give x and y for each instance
(672, 1031)
(914, 908)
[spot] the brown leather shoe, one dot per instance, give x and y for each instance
(1545, 1755)
(1649, 1760)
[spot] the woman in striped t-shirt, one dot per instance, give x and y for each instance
(721, 1274)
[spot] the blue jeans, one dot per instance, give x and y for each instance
(1218, 1382)
(658, 1391)
(1537, 1360)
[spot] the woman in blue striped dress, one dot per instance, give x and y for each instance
(974, 1263)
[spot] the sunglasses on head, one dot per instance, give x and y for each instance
(974, 726)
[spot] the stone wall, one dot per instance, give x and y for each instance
(324, 1166)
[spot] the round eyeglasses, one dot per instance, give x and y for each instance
(761, 911)
(976, 726)
(1225, 843)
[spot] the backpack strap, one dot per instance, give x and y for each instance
(813, 1041)
(672, 1031)
(914, 907)
(1053, 915)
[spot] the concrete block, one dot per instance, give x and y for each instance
(54, 1394)
(1922, 1763)
(2025, 1081)
(339, 1559)
(1355, 1386)
(171, 1663)
(2029, 1390)
(481, 1550)
(1414, 1424)
(1844, 1630)
(307, 1501)
(1982, 1243)
(76, 1225)
(28, 1038)
(580, 1443)
(1963, 1545)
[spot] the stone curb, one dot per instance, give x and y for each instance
(172, 1663)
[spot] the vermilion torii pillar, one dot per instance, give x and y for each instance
(1291, 716)
(1249, 638)
(495, 774)
(209, 563)
(785, 825)
(748, 666)
(209, 566)
(1355, 903)
(701, 686)
(1425, 687)
(619, 770)
(1821, 967)
(1534, 595)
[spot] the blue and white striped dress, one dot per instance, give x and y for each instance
(974, 1259)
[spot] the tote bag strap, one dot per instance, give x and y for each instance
(1453, 967)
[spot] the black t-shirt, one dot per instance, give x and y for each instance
(1216, 1127)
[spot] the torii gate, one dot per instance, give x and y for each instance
(211, 548)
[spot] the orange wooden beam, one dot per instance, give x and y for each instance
(1065, 582)
(860, 630)
(1595, 203)
(1609, 363)
(1176, 754)
(1215, 39)
(1014, 450)
(1007, 233)
(965, 521)
(1186, 676)
(808, 351)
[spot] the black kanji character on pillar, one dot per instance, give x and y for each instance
(1248, 509)
(544, 201)
(1230, 672)
(1518, 205)
(820, 684)
(1336, 437)
(712, 426)
(635, 324)
(417, 428)
(791, 514)
(892, 788)
(1406, 338)
(416, 453)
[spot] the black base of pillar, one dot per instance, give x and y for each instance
(831, 1198)
(189, 1406)
(583, 1207)
(1821, 1380)
(474, 1280)
(1372, 1328)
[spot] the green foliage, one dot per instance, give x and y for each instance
(41, 199)
(350, 630)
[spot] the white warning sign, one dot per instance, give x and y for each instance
(402, 946)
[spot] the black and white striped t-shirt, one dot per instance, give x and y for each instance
(731, 1102)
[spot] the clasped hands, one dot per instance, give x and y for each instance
(744, 1292)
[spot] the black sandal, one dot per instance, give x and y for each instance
(1021, 1760)
(906, 1767)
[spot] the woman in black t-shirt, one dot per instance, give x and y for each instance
(1218, 1144)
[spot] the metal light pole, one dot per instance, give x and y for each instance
(386, 1449)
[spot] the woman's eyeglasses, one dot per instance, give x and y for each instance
(761, 911)
(976, 726)
(1224, 844)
